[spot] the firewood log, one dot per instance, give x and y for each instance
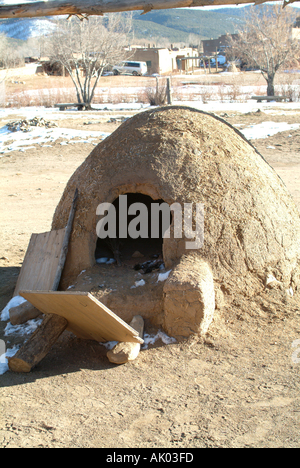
(39, 344)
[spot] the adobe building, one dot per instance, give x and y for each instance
(163, 61)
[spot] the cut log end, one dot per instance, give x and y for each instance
(38, 345)
(124, 352)
(18, 365)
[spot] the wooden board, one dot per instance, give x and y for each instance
(87, 317)
(40, 262)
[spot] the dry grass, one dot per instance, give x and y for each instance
(40, 90)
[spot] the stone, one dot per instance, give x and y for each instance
(24, 125)
(137, 254)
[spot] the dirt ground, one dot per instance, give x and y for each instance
(238, 387)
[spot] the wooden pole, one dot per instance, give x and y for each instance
(42, 340)
(85, 8)
(169, 91)
(65, 244)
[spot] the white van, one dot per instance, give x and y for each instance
(133, 68)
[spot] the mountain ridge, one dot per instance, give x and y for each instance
(174, 25)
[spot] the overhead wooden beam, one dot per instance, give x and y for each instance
(98, 7)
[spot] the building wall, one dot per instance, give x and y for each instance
(158, 60)
(296, 33)
(164, 61)
(210, 46)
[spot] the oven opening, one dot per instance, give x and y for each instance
(137, 236)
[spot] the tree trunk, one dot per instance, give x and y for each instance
(271, 87)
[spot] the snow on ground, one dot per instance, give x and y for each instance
(163, 276)
(22, 330)
(3, 361)
(72, 113)
(243, 107)
(160, 335)
(17, 330)
(148, 340)
(14, 302)
(11, 141)
(266, 129)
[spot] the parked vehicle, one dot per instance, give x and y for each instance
(221, 61)
(133, 68)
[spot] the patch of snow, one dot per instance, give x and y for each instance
(22, 330)
(138, 283)
(101, 260)
(14, 302)
(266, 129)
(148, 340)
(110, 261)
(3, 361)
(163, 276)
(241, 107)
(41, 135)
(110, 344)
(160, 335)
(106, 260)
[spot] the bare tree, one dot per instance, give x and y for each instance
(3, 49)
(87, 47)
(10, 55)
(265, 41)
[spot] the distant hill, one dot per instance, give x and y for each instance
(149, 31)
(174, 25)
(24, 28)
(181, 22)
